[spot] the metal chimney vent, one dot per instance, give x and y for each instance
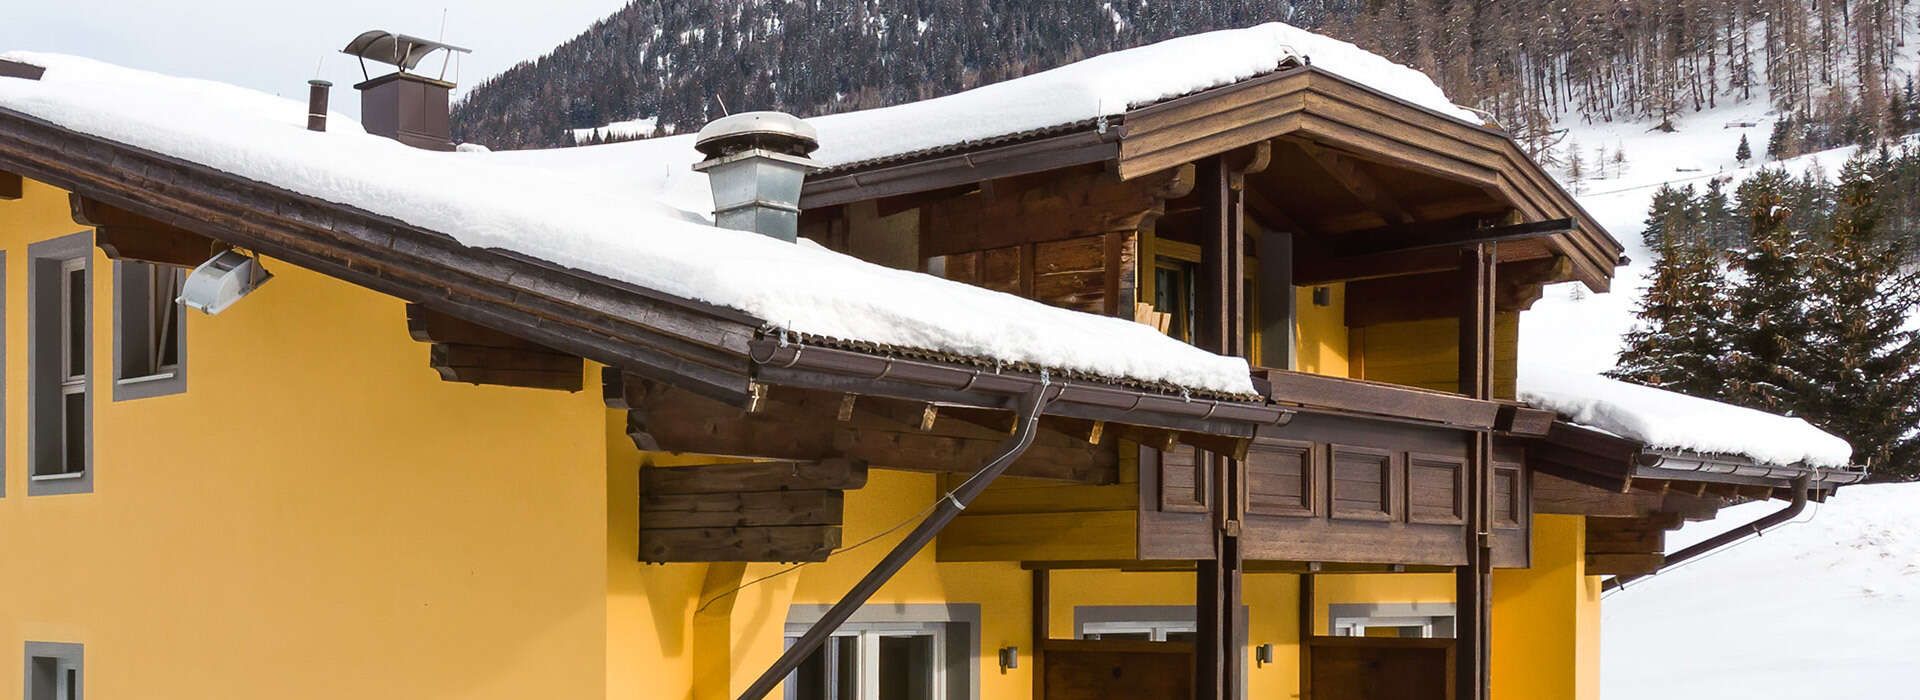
(756, 163)
(405, 106)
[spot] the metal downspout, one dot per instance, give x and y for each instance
(1768, 521)
(1028, 412)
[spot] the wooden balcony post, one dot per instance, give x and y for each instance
(1218, 659)
(1473, 583)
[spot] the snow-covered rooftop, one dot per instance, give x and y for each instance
(638, 213)
(1669, 420)
(1111, 84)
(593, 220)
(1105, 85)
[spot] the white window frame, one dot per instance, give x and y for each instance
(1155, 631)
(1435, 620)
(73, 380)
(60, 326)
(145, 302)
(867, 649)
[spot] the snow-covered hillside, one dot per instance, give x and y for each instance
(1577, 330)
(1827, 606)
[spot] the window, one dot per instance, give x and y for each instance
(1161, 631)
(1403, 620)
(1173, 295)
(874, 662)
(1176, 293)
(890, 652)
(59, 358)
(149, 340)
(54, 671)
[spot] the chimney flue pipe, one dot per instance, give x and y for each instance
(317, 91)
(756, 163)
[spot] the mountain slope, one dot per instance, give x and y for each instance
(1525, 61)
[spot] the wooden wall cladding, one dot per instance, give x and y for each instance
(1436, 489)
(1339, 489)
(1282, 478)
(1090, 273)
(1364, 483)
(1184, 480)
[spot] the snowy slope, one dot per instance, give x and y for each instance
(1827, 606)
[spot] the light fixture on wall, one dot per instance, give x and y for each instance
(216, 284)
(1009, 658)
(1263, 654)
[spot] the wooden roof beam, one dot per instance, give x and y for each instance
(123, 235)
(1347, 173)
(12, 186)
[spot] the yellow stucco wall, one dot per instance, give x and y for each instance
(1546, 619)
(317, 516)
(1320, 332)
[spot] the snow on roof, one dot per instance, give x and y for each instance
(1110, 84)
(1664, 419)
(630, 222)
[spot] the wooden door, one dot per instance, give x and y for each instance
(1376, 668)
(1117, 669)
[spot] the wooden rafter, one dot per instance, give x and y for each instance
(805, 425)
(1350, 176)
(123, 235)
(474, 354)
(12, 186)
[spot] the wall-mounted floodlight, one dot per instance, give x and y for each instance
(216, 284)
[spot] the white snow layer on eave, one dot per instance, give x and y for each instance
(605, 221)
(1110, 84)
(1669, 420)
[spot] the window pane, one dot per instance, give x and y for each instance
(74, 412)
(168, 333)
(829, 672)
(76, 322)
(906, 668)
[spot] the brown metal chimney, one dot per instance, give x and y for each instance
(403, 105)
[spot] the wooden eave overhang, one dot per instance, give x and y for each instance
(699, 346)
(1597, 458)
(713, 351)
(1300, 102)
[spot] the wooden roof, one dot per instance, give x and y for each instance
(1446, 170)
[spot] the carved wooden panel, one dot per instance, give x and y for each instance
(1362, 483)
(1436, 489)
(1280, 478)
(1183, 480)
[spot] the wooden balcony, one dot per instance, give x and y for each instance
(1364, 474)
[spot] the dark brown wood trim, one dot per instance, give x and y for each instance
(683, 342)
(1379, 399)
(12, 186)
(949, 170)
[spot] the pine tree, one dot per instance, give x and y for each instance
(1768, 347)
(1576, 164)
(1682, 331)
(1779, 142)
(1868, 369)
(1744, 152)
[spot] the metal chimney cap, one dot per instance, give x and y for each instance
(774, 131)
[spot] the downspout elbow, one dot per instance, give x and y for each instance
(1801, 485)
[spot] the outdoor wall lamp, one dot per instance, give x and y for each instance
(1009, 658)
(1263, 654)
